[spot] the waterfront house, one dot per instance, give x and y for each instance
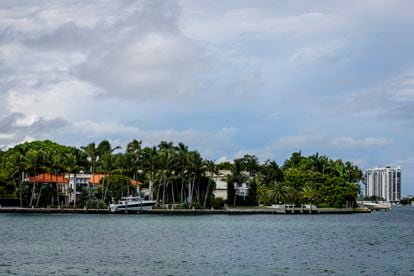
(66, 187)
(242, 189)
(58, 183)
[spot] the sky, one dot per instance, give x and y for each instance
(225, 77)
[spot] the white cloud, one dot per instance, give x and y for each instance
(70, 99)
(157, 65)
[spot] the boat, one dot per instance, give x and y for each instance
(376, 205)
(132, 204)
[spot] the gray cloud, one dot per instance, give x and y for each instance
(76, 71)
(16, 128)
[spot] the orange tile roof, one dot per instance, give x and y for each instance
(48, 178)
(96, 179)
(135, 183)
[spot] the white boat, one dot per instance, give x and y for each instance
(132, 204)
(376, 205)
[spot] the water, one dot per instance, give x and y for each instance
(380, 243)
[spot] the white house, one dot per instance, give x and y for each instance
(242, 189)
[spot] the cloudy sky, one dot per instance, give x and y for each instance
(225, 77)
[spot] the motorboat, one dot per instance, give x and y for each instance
(132, 204)
(376, 205)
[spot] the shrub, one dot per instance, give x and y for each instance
(218, 203)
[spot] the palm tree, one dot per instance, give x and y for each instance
(196, 168)
(149, 164)
(92, 152)
(282, 193)
(309, 194)
(57, 169)
(104, 152)
(211, 168)
(15, 166)
(237, 177)
(71, 166)
(182, 161)
(33, 162)
(107, 167)
(126, 166)
(135, 151)
(166, 159)
(263, 194)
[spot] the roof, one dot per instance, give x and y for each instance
(48, 178)
(135, 183)
(96, 179)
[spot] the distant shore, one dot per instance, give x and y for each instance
(232, 211)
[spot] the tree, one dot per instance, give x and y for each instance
(33, 162)
(237, 177)
(15, 166)
(166, 163)
(92, 151)
(196, 169)
(309, 194)
(211, 168)
(71, 166)
(281, 193)
(182, 166)
(149, 163)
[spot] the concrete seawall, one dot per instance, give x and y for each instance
(184, 211)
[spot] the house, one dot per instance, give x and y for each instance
(66, 187)
(87, 181)
(242, 189)
(59, 183)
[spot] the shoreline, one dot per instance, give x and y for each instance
(234, 211)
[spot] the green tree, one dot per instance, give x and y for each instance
(71, 167)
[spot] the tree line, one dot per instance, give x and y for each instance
(174, 174)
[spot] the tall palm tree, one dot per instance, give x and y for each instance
(196, 168)
(33, 162)
(182, 163)
(126, 165)
(212, 169)
(166, 159)
(107, 167)
(71, 166)
(15, 166)
(105, 160)
(150, 167)
(237, 176)
(135, 150)
(309, 194)
(92, 151)
(57, 169)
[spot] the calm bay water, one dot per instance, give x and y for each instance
(380, 243)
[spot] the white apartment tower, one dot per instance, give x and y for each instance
(384, 182)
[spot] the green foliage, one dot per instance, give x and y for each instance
(7, 188)
(176, 174)
(231, 192)
(252, 195)
(119, 185)
(218, 203)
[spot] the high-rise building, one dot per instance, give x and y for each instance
(384, 182)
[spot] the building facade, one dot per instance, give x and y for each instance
(241, 189)
(384, 182)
